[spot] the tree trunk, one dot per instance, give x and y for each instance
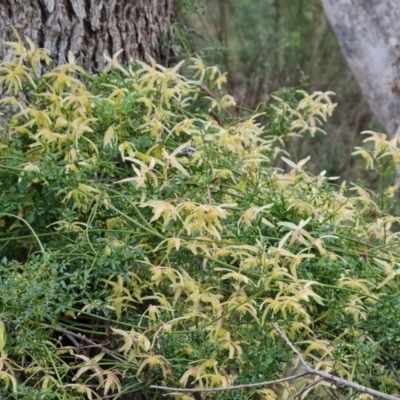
(369, 35)
(90, 28)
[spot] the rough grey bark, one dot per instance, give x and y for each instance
(90, 27)
(369, 35)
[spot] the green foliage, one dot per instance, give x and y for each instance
(146, 237)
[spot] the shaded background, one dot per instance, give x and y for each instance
(265, 45)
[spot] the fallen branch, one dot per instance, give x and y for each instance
(332, 378)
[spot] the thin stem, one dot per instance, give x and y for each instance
(133, 221)
(30, 227)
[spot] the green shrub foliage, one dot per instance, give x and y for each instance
(147, 238)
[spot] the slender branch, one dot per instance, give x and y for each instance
(392, 366)
(86, 340)
(226, 389)
(230, 388)
(111, 396)
(289, 343)
(72, 339)
(204, 88)
(332, 378)
(300, 392)
(331, 393)
(353, 385)
(350, 396)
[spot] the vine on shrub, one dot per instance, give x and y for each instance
(147, 237)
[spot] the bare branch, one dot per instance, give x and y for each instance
(392, 366)
(350, 395)
(72, 339)
(332, 378)
(205, 89)
(289, 343)
(230, 388)
(331, 393)
(300, 392)
(86, 340)
(111, 396)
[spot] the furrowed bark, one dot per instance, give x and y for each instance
(89, 28)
